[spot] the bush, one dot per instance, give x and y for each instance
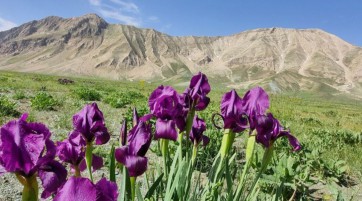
(19, 95)
(43, 101)
(7, 107)
(119, 100)
(88, 94)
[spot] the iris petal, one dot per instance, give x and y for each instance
(142, 140)
(21, 148)
(52, 176)
(136, 165)
(77, 188)
(166, 129)
(106, 190)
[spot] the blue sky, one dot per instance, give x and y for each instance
(200, 17)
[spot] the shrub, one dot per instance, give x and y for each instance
(88, 94)
(43, 101)
(119, 100)
(19, 95)
(7, 107)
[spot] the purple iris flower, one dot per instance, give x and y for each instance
(26, 149)
(165, 105)
(123, 134)
(232, 112)
(269, 129)
(198, 89)
(197, 130)
(132, 156)
(238, 112)
(89, 122)
(255, 102)
(82, 189)
(72, 151)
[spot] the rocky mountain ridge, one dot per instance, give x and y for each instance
(277, 58)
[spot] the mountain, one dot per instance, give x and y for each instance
(277, 58)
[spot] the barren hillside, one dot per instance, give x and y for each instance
(277, 58)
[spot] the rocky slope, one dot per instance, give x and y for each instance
(277, 58)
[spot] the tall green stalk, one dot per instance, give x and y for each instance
(164, 151)
(31, 189)
(248, 157)
(180, 137)
(133, 187)
(88, 159)
(227, 142)
(194, 154)
(189, 121)
(268, 155)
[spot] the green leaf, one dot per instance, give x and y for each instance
(170, 191)
(138, 193)
(125, 186)
(229, 181)
(172, 171)
(112, 165)
(154, 186)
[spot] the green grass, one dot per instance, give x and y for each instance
(332, 126)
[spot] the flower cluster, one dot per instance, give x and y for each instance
(27, 150)
(172, 110)
(250, 112)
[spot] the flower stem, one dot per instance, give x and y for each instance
(133, 187)
(189, 121)
(164, 150)
(88, 159)
(268, 155)
(180, 136)
(194, 154)
(249, 157)
(31, 189)
(227, 142)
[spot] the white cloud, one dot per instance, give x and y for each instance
(153, 18)
(127, 6)
(95, 2)
(6, 24)
(120, 17)
(165, 27)
(120, 10)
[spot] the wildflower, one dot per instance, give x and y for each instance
(255, 102)
(72, 151)
(232, 113)
(27, 151)
(165, 105)
(89, 122)
(132, 155)
(269, 129)
(198, 89)
(197, 130)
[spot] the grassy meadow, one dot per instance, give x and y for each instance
(330, 130)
